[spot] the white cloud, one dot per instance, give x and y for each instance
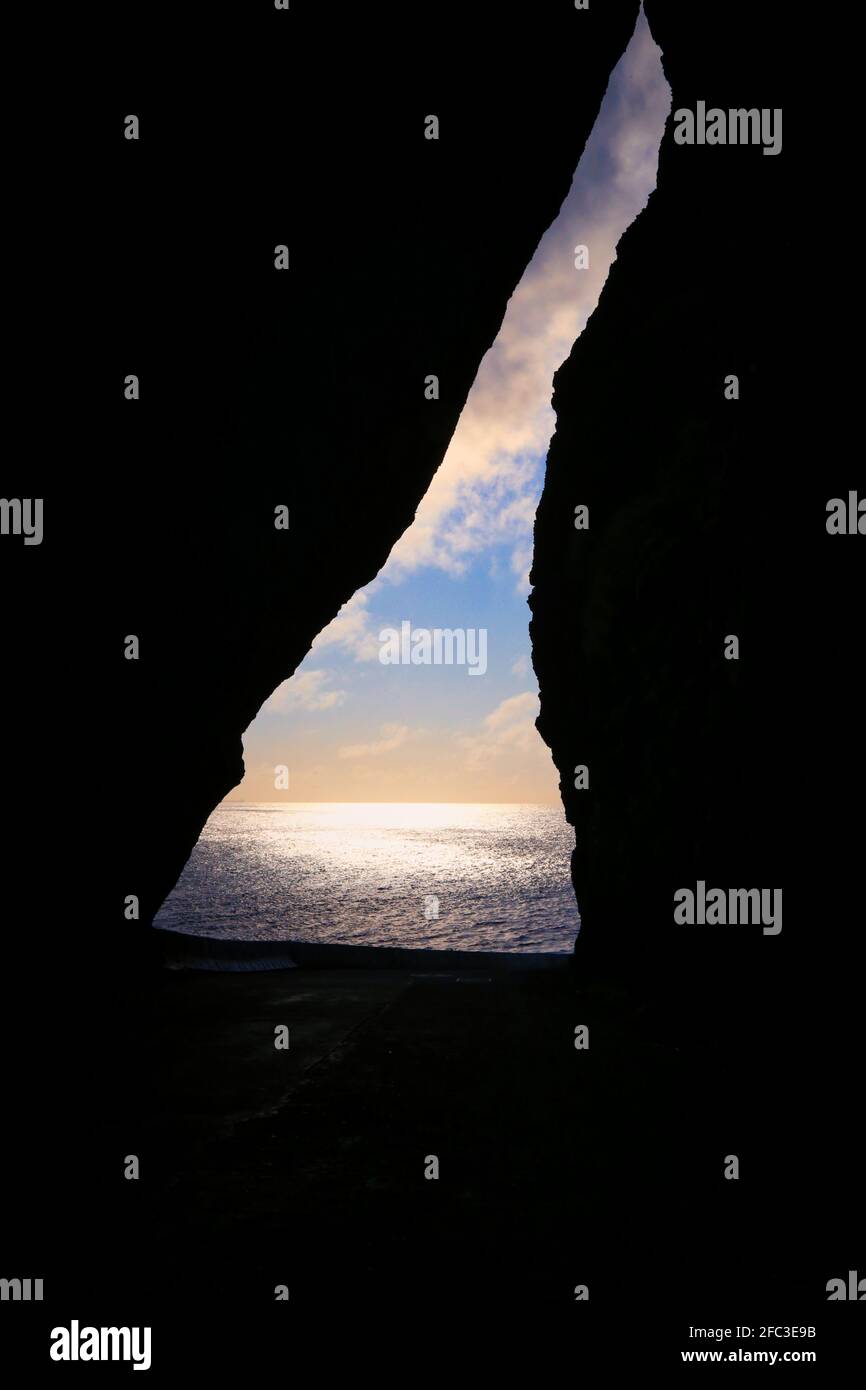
(509, 730)
(305, 690)
(393, 736)
(353, 629)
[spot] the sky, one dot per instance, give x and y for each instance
(347, 726)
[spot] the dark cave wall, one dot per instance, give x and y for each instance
(707, 518)
(306, 387)
(630, 616)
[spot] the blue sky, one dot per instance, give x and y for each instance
(352, 729)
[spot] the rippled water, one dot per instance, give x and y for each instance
(365, 874)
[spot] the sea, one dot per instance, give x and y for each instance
(450, 876)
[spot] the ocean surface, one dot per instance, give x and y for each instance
(485, 877)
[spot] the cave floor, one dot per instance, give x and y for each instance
(306, 1167)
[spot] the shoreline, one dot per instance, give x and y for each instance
(187, 951)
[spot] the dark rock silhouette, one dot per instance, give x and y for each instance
(707, 518)
(691, 529)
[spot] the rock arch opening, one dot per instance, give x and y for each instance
(390, 799)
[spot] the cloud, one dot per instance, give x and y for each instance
(393, 736)
(509, 730)
(521, 666)
(304, 691)
(353, 629)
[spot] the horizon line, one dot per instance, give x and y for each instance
(238, 801)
